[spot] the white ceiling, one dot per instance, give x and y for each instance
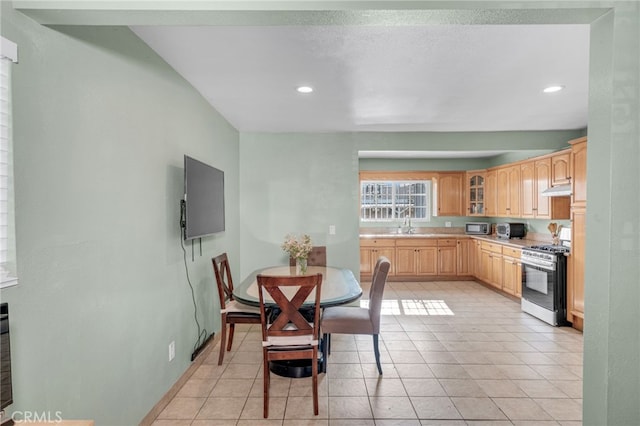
(384, 78)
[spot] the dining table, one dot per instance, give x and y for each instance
(339, 287)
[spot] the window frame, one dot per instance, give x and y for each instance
(8, 268)
(395, 178)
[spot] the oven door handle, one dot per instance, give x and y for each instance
(547, 266)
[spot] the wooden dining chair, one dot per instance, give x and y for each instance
(317, 257)
(356, 320)
(232, 311)
(287, 335)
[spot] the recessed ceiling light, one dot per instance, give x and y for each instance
(305, 89)
(553, 89)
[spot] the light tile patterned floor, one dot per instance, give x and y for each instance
(453, 353)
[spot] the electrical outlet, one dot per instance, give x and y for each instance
(447, 224)
(172, 350)
(332, 230)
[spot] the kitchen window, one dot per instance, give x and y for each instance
(395, 200)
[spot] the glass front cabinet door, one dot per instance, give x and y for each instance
(475, 193)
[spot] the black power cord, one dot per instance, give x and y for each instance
(202, 332)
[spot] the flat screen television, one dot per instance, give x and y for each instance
(6, 390)
(203, 199)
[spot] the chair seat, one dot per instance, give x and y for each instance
(346, 320)
(235, 307)
(290, 341)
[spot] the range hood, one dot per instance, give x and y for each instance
(557, 191)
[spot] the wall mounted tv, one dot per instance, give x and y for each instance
(6, 390)
(203, 199)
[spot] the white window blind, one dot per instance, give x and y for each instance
(8, 272)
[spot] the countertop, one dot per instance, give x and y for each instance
(514, 242)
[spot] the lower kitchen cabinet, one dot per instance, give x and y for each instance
(491, 264)
(466, 256)
(413, 257)
(476, 253)
(447, 257)
(575, 268)
(511, 271)
(416, 257)
(371, 250)
(427, 261)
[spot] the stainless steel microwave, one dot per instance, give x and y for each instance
(477, 228)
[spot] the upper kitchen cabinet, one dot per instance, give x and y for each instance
(536, 177)
(579, 172)
(508, 200)
(560, 168)
(491, 193)
(450, 193)
(529, 192)
(474, 192)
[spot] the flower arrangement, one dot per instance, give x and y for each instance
(298, 248)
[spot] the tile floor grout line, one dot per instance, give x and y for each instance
(514, 352)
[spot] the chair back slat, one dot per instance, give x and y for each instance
(317, 257)
(222, 271)
(289, 320)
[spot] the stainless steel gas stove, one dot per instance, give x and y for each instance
(544, 282)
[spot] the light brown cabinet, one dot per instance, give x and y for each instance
(450, 193)
(528, 182)
(576, 261)
(491, 264)
(575, 273)
(371, 249)
(477, 260)
(579, 172)
(466, 256)
(495, 263)
(511, 271)
(535, 178)
(560, 168)
(420, 257)
(474, 192)
(447, 257)
(508, 188)
(542, 181)
(416, 257)
(491, 193)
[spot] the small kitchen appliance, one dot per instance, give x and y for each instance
(477, 228)
(510, 230)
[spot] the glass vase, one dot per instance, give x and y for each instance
(301, 265)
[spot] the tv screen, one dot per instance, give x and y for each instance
(203, 199)
(6, 392)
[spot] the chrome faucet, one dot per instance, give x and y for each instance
(407, 226)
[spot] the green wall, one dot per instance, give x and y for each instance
(612, 291)
(100, 128)
(298, 183)
(83, 275)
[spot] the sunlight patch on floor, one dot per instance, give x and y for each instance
(408, 307)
